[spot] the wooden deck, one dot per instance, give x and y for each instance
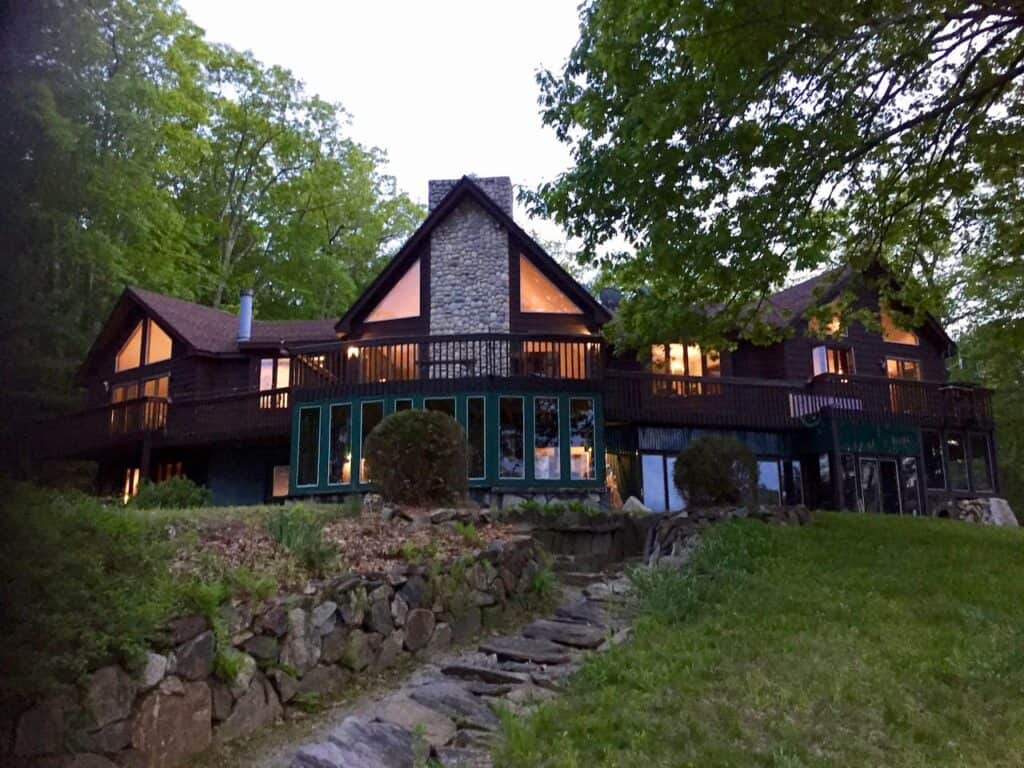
(445, 364)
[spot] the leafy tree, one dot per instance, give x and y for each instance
(734, 143)
(132, 151)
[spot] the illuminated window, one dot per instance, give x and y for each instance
(581, 438)
(131, 483)
(339, 468)
(475, 437)
(684, 360)
(130, 355)
(538, 294)
(156, 387)
(158, 343)
(546, 457)
(832, 328)
(307, 471)
(274, 375)
(511, 437)
(279, 481)
(124, 416)
(403, 300)
(713, 363)
(894, 334)
(832, 360)
(372, 415)
(898, 368)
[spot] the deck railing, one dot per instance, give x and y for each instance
(359, 365)
(759, 404)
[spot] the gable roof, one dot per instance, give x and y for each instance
(202, 329)
(466, 187)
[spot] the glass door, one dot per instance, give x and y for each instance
(870, 488)
(890, 487)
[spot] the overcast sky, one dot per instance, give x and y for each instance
(445, 87)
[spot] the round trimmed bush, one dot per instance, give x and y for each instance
(418, 458)
(715, 470)
(174, 493)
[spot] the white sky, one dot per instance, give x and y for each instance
(445, 87)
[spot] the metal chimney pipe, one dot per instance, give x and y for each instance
(245, 315)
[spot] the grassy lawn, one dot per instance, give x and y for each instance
(858, 641)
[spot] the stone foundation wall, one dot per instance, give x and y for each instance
(288, 652)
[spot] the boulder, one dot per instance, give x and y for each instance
(243, 678)
(184, 628)
(171, 686)
(322, 682)
(419, 628)
(222, 701)
(524, 649)
(154, 668)
(465, 623)
(353, 606)
(274, 621)
(442, 515)
(456, 702)
(634, 506)
(333, 645)
(390, 650)
(360, 744)
(301, 648)
(169, 729)
(236, 618)
(195, 658)
(441, 639)
(1000, 513)
(437, 728)
(286, 685)
(262, 648)
(257, 708)
(373, 504)
(324, 617)
(399, 610)
(380, 620)
(109, 695)
(358, 654)
(414, 592)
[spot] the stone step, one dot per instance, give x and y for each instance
(358, 743)
(585, 612)
(565, 633)
(483, 674)
(517, 648)
(456, 702)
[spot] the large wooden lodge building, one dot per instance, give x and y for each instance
(473, 318)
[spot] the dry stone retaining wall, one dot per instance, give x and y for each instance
(287, 652)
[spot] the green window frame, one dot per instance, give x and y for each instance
(334, 436)
(308, 426)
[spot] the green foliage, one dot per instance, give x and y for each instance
(80, 583)
(732, 144)
(418, 457)
(543, 584)
(141, 153)
(715, 470)
(876, 620)
(556, 508)
(419, 553)
(309, 702)
(301, 532)
(227, 663)
(175, 493)
(470, 535)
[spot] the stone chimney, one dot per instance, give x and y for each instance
(498, 188)
(245, 315)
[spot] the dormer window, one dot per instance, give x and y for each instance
(402, 301)
(894, 334)
(538, 294)
(834, 360)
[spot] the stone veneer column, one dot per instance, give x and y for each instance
(469, 281)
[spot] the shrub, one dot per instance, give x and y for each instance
(80, 584)
(301, 532)
(715, 470)
(176, 493)
(418, 457)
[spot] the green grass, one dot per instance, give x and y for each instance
(857, 641)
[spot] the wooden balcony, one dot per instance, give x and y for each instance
(646, 398)
(124, 426)
(447, 363)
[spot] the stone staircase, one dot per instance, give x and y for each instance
(448, 711)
